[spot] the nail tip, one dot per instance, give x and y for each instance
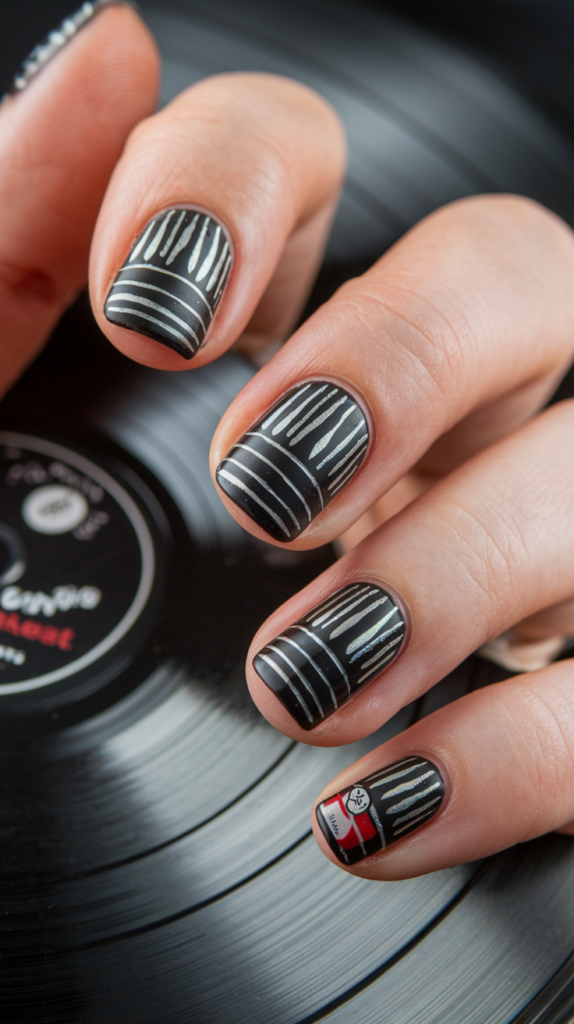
(138, 329)
(172, 280)
(297, 709)
(249, 508)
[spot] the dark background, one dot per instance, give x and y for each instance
(531, 41)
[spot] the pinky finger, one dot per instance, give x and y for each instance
(491, 770)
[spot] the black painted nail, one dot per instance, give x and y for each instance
(173, 279)
(295, 460)
(55, 41)
(318, 663)
(377, 811)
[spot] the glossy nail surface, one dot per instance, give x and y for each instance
(173, 279)
(293, 462)
(318, 663)
(377, 811)
(54, 42)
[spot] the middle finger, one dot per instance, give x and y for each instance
(478, 552)
(460, 332)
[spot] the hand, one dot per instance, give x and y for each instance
(412, 398)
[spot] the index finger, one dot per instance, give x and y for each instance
(199, 212)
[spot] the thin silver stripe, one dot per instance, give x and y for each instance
(375, 817)
(373, 660)
(336, 612)
(410, 800)
(255, 433)
(291, 686)
(301, 650)
(222, 278)
(418, 810)
(172, 235)
(243, 487)
(368, 635)
(295, 412)
(333, 600)
(163, 291)
(193, 259)
(324, 441)
(208, 261)
(210, 284)
(404, 787)
(375, 668)
(244, 469)
(369, 781)
(342, 444)
(317, 422)
(153, 320)
(182, 241)
(178, 277)
(300, 676)
(284, 405)
(417, 821)
(374, 643)
(348, 455)
(396, 775)
(343, 482)
(341, 609)
(356, 618)
(282, 475)
(296, 426)
(348, 471)
(154, 244)
(140, 301)
(141, 242)
(333, 657)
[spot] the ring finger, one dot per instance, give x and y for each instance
(451, 341)
(488, 546)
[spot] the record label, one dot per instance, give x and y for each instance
(76, 562)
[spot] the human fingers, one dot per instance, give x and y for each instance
(488, 771)
(215, 219)
(458, 333)
(61, 132)
(485, 548)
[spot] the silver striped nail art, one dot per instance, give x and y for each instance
(56, 40)
(297, 458)
(319, 662)
(173, 279)
(380, 809)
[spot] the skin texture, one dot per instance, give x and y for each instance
(451, 344)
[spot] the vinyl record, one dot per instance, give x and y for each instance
(158, 865)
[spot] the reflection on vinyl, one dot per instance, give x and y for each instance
(157, 860)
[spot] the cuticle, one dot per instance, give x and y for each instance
(317, 379)
(182, 206)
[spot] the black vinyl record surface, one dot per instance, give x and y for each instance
(157, 860)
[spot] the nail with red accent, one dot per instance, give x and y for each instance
(384, 807)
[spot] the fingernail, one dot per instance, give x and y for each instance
(322, 660)
(381, 809)
(173, 280)
(296, 459)
(56, 41)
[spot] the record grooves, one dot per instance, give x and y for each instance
(150, 874)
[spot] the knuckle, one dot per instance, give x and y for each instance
(428, 343)
(490, 548)
(537, 727)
